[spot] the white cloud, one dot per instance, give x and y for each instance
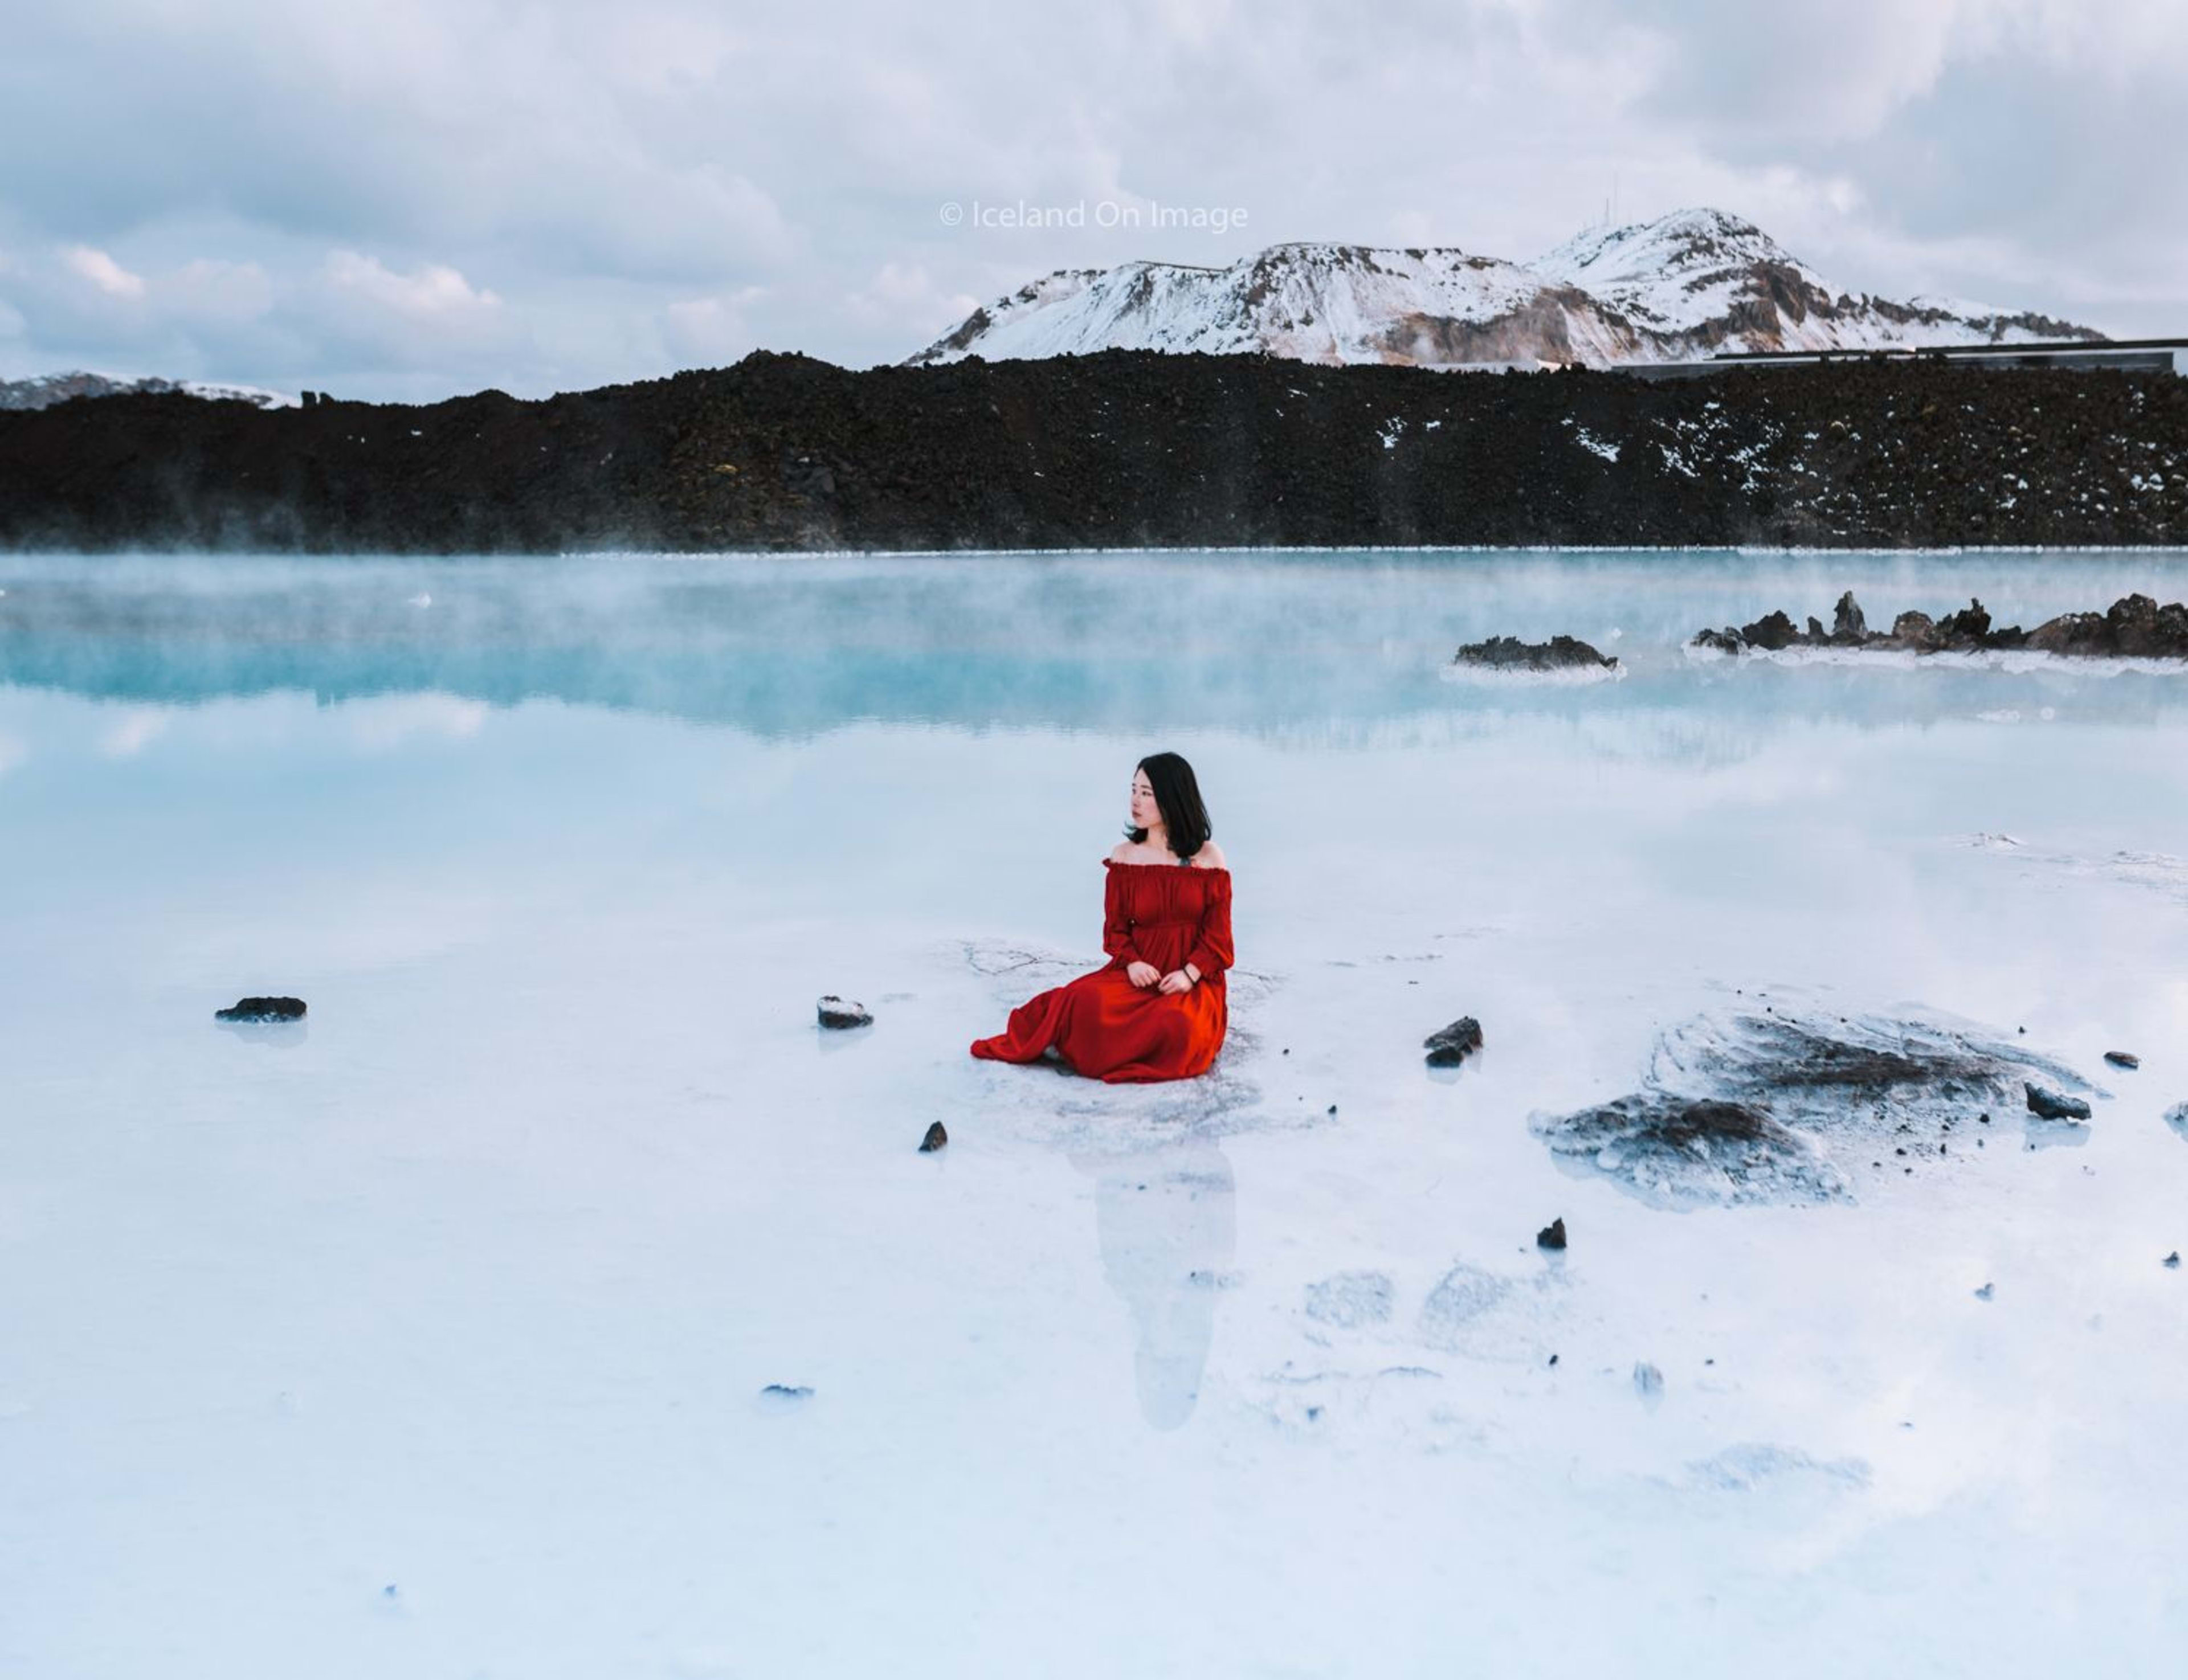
(905, 294)
(675, 180)
(211, 290)
(103, 272)
(433, 294)
(82, 290)
(711, 329)
(2120, 37)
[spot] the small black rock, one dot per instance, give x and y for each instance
(2124, 1059)
(1553, 1235)
(841, 1012)
(935, 1138)
(1448, 1047)
(263, 1009)
(2173, 1260)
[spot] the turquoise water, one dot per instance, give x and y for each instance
(1266, 645)
(889, 734)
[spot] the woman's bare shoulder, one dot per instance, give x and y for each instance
(1209, 856)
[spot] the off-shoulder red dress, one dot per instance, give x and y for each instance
(1105, 1026)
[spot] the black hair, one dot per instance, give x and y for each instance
(1177, 797)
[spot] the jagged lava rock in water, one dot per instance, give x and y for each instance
(1448, 1047)
(1509, 653)
(1553, 1235)
(2124, 1059)
(2135, 627)
(262, 1009)
(935, 1139)
(1773, 630)
(841, 1012)
(1781, 1103)
(2050, 1105)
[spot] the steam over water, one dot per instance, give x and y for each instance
(460, 1329)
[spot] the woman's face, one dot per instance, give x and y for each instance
(1146, 814)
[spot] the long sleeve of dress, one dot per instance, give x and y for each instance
(1116, 925)
(1211, 946)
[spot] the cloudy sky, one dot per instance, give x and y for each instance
(406, 198)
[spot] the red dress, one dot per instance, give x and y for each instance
(1104, 1026)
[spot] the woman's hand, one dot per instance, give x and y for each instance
(1142, 974)
(1177, 980)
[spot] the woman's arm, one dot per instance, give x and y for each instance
(1211, 951)
(1116, 926)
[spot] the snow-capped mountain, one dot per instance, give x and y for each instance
(47, 389)
(1313, 302)
(1701, 281)
(1690, 283)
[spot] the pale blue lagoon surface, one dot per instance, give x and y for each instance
(432, 1336)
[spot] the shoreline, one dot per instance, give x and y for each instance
(1417, 550)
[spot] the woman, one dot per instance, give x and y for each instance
(1158, 1009)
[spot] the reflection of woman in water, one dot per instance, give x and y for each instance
(1158, 1009)
(1168, 1226)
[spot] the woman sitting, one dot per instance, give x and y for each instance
(1157, 1010)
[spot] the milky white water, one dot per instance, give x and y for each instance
(433, 1336)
